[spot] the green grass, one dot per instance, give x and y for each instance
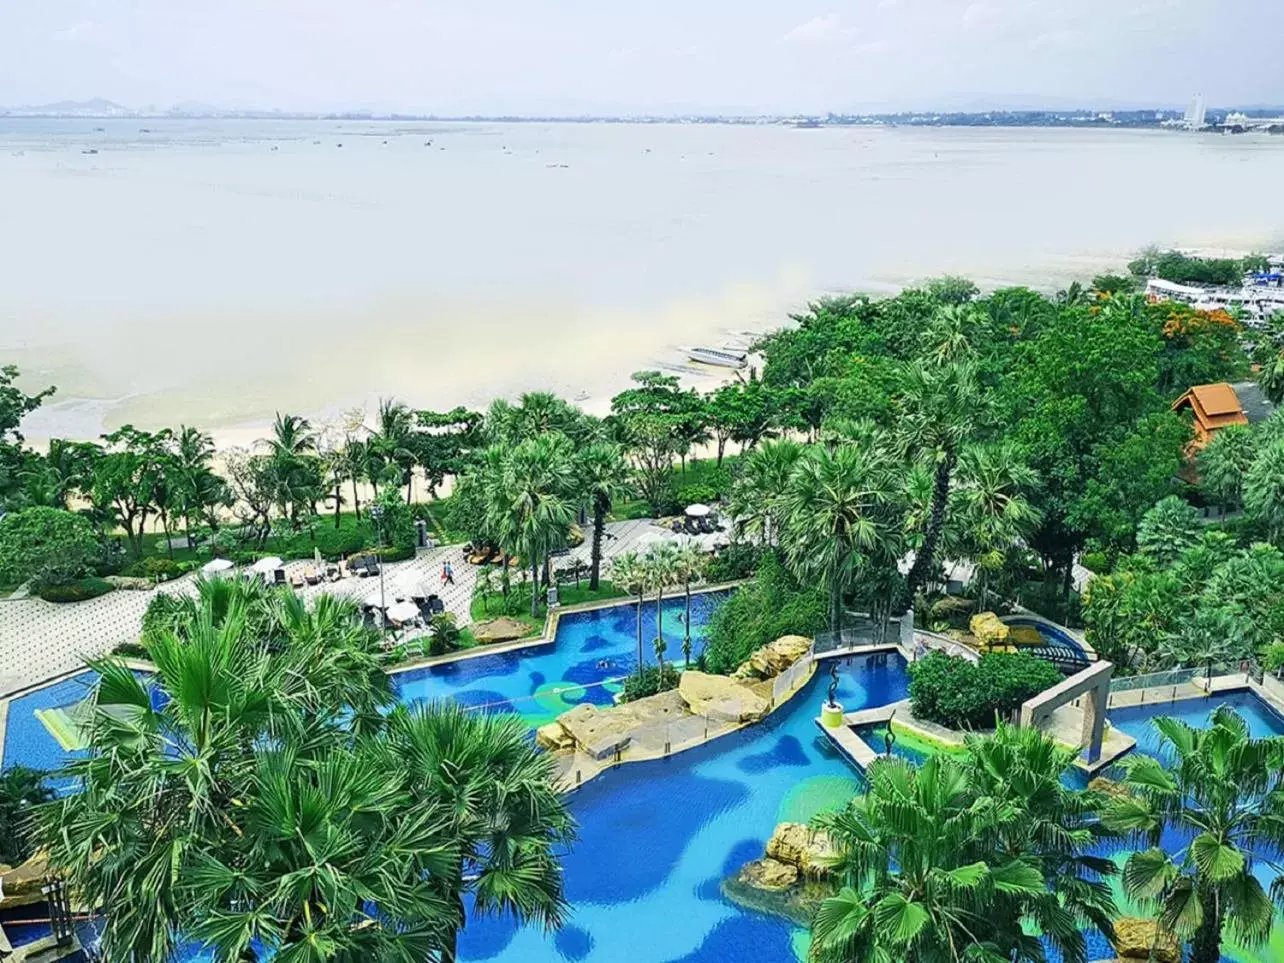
(519, 603)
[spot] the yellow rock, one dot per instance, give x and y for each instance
(989, 631)
(769, 874)
(554, 737)
(720, 698)
(1137, 939)
(21, 886)
(803, 847)
(774, 657)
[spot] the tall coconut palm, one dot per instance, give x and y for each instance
(529, 501)
(602, 476)
(1223, 791)
(938, 409)
(504, 813)
(995, 514)
(291, 449)
(200, 490)
(759, 494)
(393, 443)
(1264, 490)
(660, 564)
(838, 515)
(629, 573)
(690, 564)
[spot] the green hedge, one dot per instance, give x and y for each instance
(959, 694)
(395, 553)
(772, 605)
(156, 567)
(86, 588)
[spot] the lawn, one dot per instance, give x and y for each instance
(492, 605)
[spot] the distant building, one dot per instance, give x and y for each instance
(1196, 113)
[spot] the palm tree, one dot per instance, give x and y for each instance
(1264, 490)
(759, 494)
(291, 447)
(1271, 377)
(238, 796)
(629, 573)
(994, 512)
(200, 490)
(528, 503)
(1224, 462)
(393, 443)
(603, 475)
(505, 816)
(838, 515)
(938, 409)
(1223, 791)
(660, 564)
(1168, 529)
(689, 566)
(925, 875)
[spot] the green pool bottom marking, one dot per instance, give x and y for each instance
(816, 795)
(800, 943)
(551, 699)
(63, 727)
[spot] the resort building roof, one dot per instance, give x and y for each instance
(1215, 407)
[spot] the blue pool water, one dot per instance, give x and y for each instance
(26, 740)
(1137, 721)
(657, 838)
(590, 651)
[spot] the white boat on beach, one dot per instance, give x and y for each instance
(723, 357)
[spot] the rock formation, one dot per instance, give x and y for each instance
(721, 699)
(773, 658)
(1137, 939)
(801, 846)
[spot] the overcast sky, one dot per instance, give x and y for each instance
(588, 56)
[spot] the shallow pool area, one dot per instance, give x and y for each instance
(1138, 721)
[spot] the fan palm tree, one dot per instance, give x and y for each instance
(838, 515)
(200, 490)
(938, 410)
(230, 798)
(759, 494)
(690, 564)
(603, 475)
(21, 790)
(629, 573)
(995, 514)
(1224, 792)
(528, 500)
(920, 879)
(1224, 462)
(505, 816)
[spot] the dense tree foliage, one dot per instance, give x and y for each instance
(49, 546)
(960, 694)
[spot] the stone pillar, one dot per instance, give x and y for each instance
(907, 630)
(1094, 718)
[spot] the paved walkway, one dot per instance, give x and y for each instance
(40, 640)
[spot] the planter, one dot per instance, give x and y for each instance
(831, 715)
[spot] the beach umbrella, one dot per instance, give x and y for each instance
(216, 566)
(698, 511)
(403, 611)
(265, 565)
(375, 600)
(655, 538)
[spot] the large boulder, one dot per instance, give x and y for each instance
(769, 874)
(554, 737)
(774, 658)
(502, 629)
(990, 633)
(21, 886)
(720, 698)
(1115, 790)
(599, 731)
(795, 844)
(1137, 939)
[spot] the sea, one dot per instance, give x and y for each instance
(213, 272)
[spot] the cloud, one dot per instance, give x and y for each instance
(82, 31)
(979, 14)
(823, 29)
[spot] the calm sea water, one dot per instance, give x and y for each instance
(215, 271)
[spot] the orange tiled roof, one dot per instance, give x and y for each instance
(1215, 406)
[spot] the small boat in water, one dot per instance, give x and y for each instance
(724, 357)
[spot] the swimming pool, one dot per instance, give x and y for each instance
(657, 838)
(1052, 633)
(590, 650)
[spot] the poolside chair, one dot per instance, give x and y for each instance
(435, 605)
(296, 581)
(311, 575)
(278, 576)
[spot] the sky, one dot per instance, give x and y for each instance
(540, 57)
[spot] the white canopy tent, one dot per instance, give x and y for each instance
(403, 612)
(217, 566)
(265, 565)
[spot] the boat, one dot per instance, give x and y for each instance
(89, 151)
(723, 357)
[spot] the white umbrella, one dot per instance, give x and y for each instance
(265, 565)
(698, 511)
(217, 565)
(403, 612)
(655, 538)
(376, 600)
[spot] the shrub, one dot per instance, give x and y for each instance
(335, 543)
(444, 635)
(772, 605)
(1095, 562)
(697, 493)
(649, 683)
(154, 567)
(85, 588)
(734, 563)
(164, 613)
(395, 553)
(47, 545)
(959, 694)
(130, 650)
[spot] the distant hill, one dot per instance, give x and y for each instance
(97, 107)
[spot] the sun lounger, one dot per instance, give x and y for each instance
(296, 581)
(311, 575)
(278, 576)
(436, 605)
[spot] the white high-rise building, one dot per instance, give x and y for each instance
(1195, 113)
